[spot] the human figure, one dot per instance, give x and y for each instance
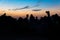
(4, 14)
(27, 16)
(48, 13)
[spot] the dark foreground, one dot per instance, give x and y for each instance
(22, 37)
(29, 29)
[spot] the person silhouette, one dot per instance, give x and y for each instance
(48, 13)
(4, 14)
(27, 16)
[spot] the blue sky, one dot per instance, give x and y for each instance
(30, 5)
(22, 3)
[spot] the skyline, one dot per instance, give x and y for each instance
(7, 6)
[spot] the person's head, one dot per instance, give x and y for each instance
(48, 13)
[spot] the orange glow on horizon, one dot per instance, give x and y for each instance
(22, 13)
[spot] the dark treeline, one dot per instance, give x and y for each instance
(32, 26)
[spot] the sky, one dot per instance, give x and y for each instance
(22, 7)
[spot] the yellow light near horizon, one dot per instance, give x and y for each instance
(22, 13)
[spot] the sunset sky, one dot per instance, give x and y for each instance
(23, 7)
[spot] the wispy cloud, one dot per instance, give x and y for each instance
(28, 6)
(36, 9)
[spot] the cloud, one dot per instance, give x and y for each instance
(36, 9)
(27, 7)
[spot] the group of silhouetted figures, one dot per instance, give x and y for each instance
(31, 25)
